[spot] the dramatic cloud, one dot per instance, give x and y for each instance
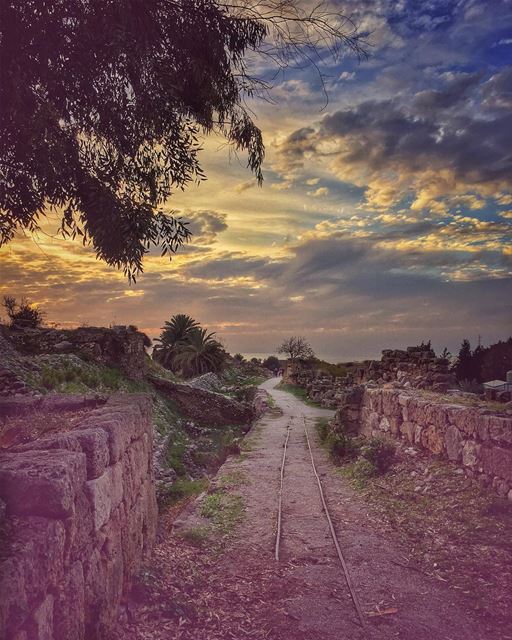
(385, 217)
(429, 148)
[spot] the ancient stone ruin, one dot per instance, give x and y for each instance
(22, 349)
(477, 438)
(78, 515)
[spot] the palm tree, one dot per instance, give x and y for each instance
(174, 334)
(200, 354)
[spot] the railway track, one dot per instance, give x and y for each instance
(325, 509)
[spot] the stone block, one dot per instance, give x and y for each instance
(432, 439)
(454, 442)
(41, 483)
(500, 429)
(69, 611)
(14, 604)
(95, 444)
(105, 493)
(497, 461)
(470, 454)
(41, 624)
(407, 431)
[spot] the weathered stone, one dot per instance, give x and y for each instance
(470, 453)
(41, 625)
(500, 429)
(205, 407)
(497, 461)
(105, 493)
(453, 441)
(407, 430)
(41, 483)
(71, 599)
(432, 439)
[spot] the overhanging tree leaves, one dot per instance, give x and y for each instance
(103, 103)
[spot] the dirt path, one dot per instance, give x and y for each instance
(239, 591)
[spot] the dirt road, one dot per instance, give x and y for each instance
(241, 591)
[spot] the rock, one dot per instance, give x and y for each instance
(63, 347)
(453, 441)
(205, 407)
(41, 483)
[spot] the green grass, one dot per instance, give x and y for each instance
(232, 480)
(298, 392)
(183, 488)
(224, 511)
(197, 536)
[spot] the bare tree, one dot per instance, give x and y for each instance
(299, 34)
(297, 348)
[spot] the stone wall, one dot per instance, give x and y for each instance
(122, 347)
(205, 407)
(77, 517)
(478, 439)
(412, 368)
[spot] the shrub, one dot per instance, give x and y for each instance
(24, 314)
(341, 446)
(379, 453)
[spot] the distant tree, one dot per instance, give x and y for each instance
(22, 315)
(446, 355)
(256, 360)
(239, 357)
(175, 333)
(271, 363)
(296, 348)
(104, 102)
(467, 365)
(200, 354)
(496, 360)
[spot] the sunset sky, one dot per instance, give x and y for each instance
(385, 217)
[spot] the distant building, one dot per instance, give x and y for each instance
(498, 385)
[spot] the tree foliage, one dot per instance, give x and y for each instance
(200, 354)
(104, 104)
(186, 348)
(484, 363)
(296, 348)
(271, 363)
(22, 315)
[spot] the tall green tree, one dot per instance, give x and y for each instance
(467, 366)
(104, 102)
(175, 333)
(200, 354)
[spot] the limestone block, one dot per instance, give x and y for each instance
(467, 420)
(418, 431)
(497, 461)
(454, 442)
(384, 424)
(407, 431)
(69, 609)
(483, 428)
(394, 424)
(41, 625)
(105, 493)
(470, 453)
(41, 483)
(14, 604)
(94, 443)
(500, 429)
(432, 439)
